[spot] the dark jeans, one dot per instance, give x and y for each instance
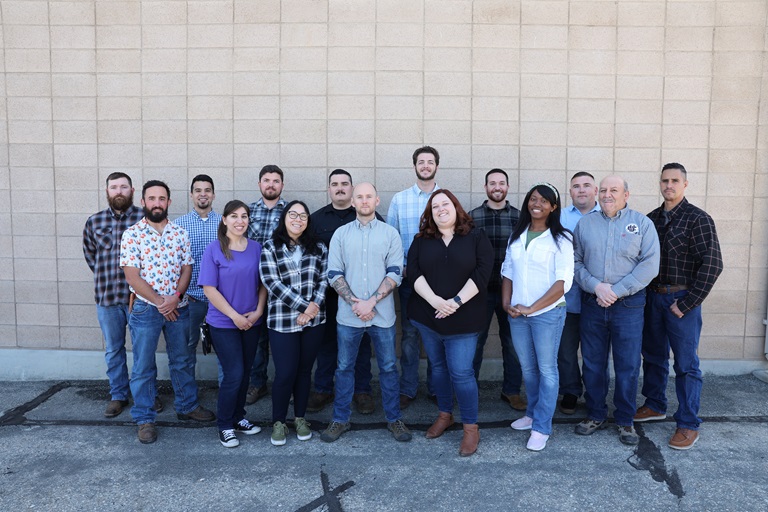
(329, 350)
(258, 374)
(662, 331)
(617, 329)
(294, 355)
(410, 349)
(235, 350)
(513, 375)
(568, 357)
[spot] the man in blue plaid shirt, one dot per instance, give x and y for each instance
(265, 213)
(404, 214)
(201, 224)
(101, 247)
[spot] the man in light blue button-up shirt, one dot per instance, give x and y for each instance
(365, 262)
(583, 191)
(404, 215)
(616, 256)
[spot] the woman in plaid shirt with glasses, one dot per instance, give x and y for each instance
(294, 267)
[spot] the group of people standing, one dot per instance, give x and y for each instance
(319, 287)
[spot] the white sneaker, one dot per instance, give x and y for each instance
(524, 423)
(537, 441)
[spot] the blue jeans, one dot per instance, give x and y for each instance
(294, 356)
(197, 312)
(451, 357)
(663, 330)
(146, 324)
(328, 354)
(568, 357)
(235, 350)
(537, 339)
(410, 351)
(513, 375)
(259, 370)
(619, 329)
(113, 320)
(349, 343)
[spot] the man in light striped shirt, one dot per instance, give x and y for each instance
(404, 214)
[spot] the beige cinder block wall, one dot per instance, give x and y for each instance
(168, 89)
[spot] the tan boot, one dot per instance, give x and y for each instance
(443, 421)
(470, 440)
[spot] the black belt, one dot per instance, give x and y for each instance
(665, 289)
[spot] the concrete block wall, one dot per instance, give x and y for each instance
(171, 88)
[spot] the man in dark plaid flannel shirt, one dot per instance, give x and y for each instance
(691, 261)
(101, 247)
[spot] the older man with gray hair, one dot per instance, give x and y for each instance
(616, 257)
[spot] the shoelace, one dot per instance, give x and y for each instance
(398, 427)
(336, 426)
(245, 424)
(228, 434)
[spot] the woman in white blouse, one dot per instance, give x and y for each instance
(536, 273)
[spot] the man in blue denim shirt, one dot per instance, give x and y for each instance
(364, 267)
(616, 256)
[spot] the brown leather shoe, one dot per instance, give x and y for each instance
(516, 402)
(647, 414)
(114, 408)
(470, 440)
(363, 403)
(159, 405)
(443, 421)
(684, 439)
(199, 414)
(318, 401)
(147, 433)
(405, 401)
(255, 394)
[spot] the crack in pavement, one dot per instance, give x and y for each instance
(330, 496)
(16, 416)
(648, 457)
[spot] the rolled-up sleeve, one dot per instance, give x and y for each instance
(395, 258)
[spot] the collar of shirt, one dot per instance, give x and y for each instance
(677, 209)
(507, 207)
(572, 209)
(417, 191)
(120, 216)
(195, 213)
(370, 225)
(618, 214)
(262, 206)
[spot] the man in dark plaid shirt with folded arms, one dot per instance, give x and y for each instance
(691, 261)
(101, 247)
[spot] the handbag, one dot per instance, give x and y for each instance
(205, 338)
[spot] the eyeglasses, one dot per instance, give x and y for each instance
(297, 215)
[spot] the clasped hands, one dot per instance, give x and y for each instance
(364, 309)
(169, 307)
(311, 312)
(445, 307)
(605, 295)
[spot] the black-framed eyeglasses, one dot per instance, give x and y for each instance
(297, 215)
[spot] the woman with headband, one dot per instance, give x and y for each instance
(536, 273)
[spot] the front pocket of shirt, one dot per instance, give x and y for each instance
(103, 237)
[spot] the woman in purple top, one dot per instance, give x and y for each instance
(229, 275)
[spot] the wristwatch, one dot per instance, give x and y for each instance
(179, 295)
(458, 300)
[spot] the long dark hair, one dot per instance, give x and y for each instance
(308, 240)
(427, 225)
(221, 233)
(552, 196)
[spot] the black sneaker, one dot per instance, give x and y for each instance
(228, 438)
(246, 427)
(399, 431)
(568, 403)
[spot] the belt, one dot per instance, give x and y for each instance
(668, 288)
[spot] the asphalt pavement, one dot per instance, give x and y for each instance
(58, 452)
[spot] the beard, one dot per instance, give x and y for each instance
(154, 215)
(120, 203)
(426, 178)
(270, 195)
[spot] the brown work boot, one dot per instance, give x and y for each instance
(363, 403)
(199, 414)
(516, 402)
(147, 433)
(255, 394)
(114, 408)
(405, 401)
(684, 439)
(470, 440)
(443, 421)
(318, 401)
